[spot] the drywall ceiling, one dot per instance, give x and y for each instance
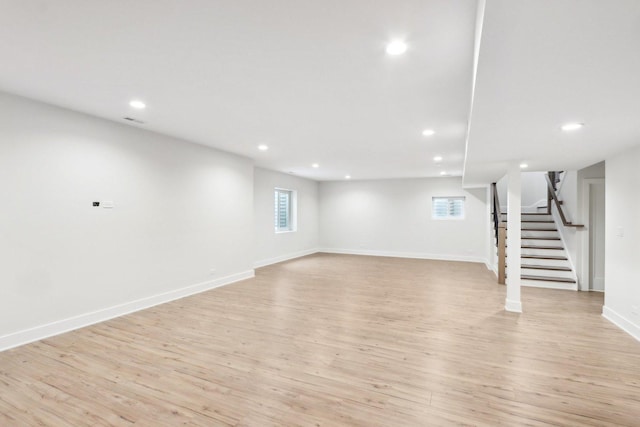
(544, 63)
(309, 79)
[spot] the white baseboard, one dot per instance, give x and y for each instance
(286, 257)
(65, 325)
(621, 322)
(416, 255)
(549, 285)
(493, 268)
(513, 306)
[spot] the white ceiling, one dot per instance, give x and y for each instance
(309, 79)
(543, 63)
(312, 80)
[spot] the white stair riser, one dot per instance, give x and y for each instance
(551, 252)
(538, 225)
(538, 261)
(526, 234)
(547, 273)
(526, 217)
(536, 218)
(550, 285)
(528, 240)
(549, 262)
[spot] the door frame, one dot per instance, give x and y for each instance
(585, 283)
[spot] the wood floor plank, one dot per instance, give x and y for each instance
(337, 340)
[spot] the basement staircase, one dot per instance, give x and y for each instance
(543, 255)
(544, 259)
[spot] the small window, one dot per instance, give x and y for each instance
(284, 210)
(447, 208)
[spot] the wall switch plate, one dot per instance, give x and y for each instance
(108, 204)
(620, 232)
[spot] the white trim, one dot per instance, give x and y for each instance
(513, 306)
(66, 325)
(476, 54)
(286, 257)
(621, 322)
(493, 268)
(448, 217)
(415, 255)
(585, 183)
(293, 212)
(490, 267)
(555, 215)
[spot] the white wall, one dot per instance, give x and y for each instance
(570, 194)
(273, 247)
(393, 217)
(180, 210)
(597, 170)
(501, 188)
(534, 191)
(622, 259)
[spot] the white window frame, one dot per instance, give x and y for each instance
(449, 199)
(292, 226)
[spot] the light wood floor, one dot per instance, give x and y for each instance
(331, 340)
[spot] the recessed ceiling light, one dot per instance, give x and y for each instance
(347, 177)
(138, 104)
(523, 165)
(396, 47)
(315, 165)
(263, 147)
(568, 127)
(443, 173)
(437, 159)
(428, 132)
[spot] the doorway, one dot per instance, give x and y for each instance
(594, 244)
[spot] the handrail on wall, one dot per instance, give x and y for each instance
(497, 214)
(552, 196)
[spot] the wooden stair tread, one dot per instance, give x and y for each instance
(554, 257)
(539, 221)
(547, 279)
(557, 248)
(539, 229)
(545, 267)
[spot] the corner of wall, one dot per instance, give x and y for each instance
(286, 257)
(621, 322)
